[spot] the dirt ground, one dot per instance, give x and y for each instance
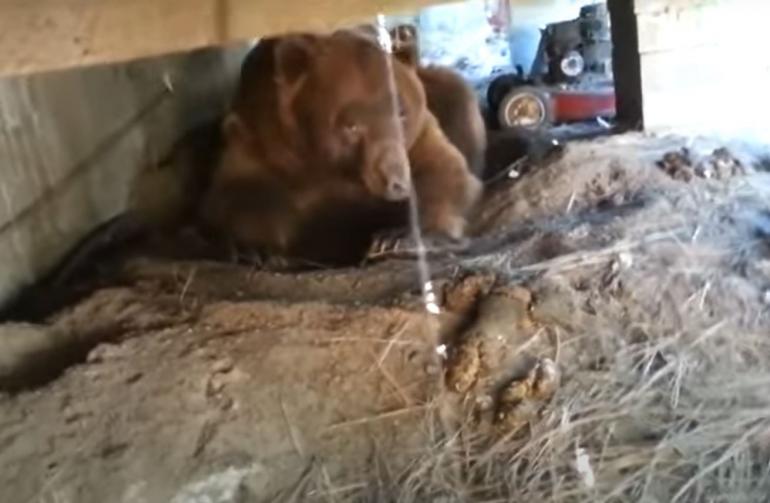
(606, 339)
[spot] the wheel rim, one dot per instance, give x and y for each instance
(525, 110)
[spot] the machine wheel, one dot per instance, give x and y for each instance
(525, 107)
(499, 87)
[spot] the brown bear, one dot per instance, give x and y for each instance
(306, 164)
(450, 99)
(326, 139)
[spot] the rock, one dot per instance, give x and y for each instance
(27, 350)
(522, 400)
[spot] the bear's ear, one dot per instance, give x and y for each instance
(233, 129)
(294, 57)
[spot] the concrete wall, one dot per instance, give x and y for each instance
(705, 68)
(71, 142)
(460, 35)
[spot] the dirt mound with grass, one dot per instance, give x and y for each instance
(604, 339)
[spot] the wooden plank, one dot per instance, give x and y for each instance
(247, 18)
(735, 24)
(43, 35)
(699, 62)
(667, 6)
(684, 91)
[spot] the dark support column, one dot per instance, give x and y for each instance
(626, 63)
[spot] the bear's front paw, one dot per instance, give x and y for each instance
(403, 243)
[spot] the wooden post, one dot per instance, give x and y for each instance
(626, 63)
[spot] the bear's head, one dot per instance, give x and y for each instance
(329, 105)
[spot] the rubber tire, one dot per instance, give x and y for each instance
(499, 87)
(542, 97)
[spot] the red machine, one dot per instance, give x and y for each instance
(570, 81)
(532, 107)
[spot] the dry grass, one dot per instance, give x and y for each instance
(682, 417)
(664, 399)
(665, 369)
(673, 420)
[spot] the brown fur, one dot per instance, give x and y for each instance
(454, 104)
(166, 196)
(449, 98)
(445, 187)
(292, 183)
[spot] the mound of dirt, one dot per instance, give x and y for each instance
(605, 339)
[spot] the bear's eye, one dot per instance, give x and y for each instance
(352, 129)
(401, 109)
